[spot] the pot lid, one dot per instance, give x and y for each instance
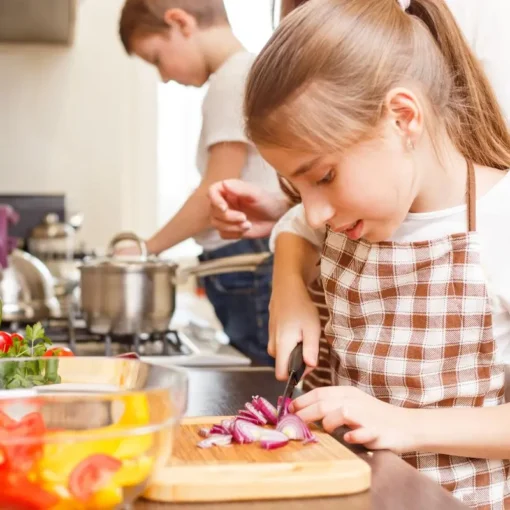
(52, 228)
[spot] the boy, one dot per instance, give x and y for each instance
(191, 42)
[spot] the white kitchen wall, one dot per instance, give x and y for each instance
(83, 121)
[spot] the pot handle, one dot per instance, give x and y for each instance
(128, 236)
(234, 264)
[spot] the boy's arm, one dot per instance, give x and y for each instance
(226, 161)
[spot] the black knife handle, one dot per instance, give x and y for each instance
(297, 366)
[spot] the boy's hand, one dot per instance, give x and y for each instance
(374, 423)
(243, 210)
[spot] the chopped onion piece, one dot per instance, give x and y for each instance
(294, 427)
(228, 424)
(216, 439)
(249, 418)
(266, 408)
(272, 439)
(245, 432)
(204, 432)
(260, 417)
(218, 429)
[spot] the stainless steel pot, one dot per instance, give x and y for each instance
(136, 294)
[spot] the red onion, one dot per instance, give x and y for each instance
(260, 417)
(216, 439)
(245, 432)
(204, 432)
(218, 429)
(266, 408)
(294, 427)
(272, 439)
(228, 424)
(248, 427)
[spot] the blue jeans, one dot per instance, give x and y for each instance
(241, 300)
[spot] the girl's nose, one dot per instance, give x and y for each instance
(318, 212)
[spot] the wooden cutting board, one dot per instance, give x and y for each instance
(248, 472)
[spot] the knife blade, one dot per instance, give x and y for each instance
(296, 370)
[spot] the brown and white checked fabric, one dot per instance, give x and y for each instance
(321, 376)
(411, 324)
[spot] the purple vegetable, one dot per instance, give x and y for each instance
(215, 439)
(294, 428)
(260, 417)
(272, 439)
(267, 409)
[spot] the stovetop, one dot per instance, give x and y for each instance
(193, 345)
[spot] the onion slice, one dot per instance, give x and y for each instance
(215, 439)
(219, 429)
(294, 428)
(272, 439)
(265, 407)
(260, 417)
(204, 432)
(245, 432)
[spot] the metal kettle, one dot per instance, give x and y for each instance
(26, 284)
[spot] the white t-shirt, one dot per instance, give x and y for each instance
(492, 216)
(223, 121)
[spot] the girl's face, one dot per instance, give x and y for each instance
(365, 192)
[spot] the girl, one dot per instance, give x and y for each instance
(390, 132)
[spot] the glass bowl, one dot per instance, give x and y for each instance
(82, 433)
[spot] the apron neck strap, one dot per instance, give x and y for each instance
(471, 196)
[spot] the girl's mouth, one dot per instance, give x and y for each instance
(352, 231)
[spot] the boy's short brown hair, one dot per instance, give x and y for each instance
(146, 16)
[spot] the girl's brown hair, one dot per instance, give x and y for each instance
(147, 16)
(321, 80)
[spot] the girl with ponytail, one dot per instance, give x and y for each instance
(379, 115)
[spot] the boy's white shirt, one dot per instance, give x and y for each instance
(485, 27)
(223, 121)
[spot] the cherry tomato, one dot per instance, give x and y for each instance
(17, 336)
(58, 352)
(92, 474)
(21, 494)
(5, 341)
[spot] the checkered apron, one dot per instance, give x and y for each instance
(411, 324)
(321, 376)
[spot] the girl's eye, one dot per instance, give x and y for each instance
(327, 179)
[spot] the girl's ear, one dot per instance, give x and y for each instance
(406, 114)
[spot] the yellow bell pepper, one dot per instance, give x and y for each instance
(133, 471)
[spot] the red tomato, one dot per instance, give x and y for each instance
(21, 494)
(5, 341)
(17, 336)
(92, 474)
(19, 455)
(58, 352)
(5, 420)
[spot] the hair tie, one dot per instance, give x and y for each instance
(404, 4)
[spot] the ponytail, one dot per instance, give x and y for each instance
(476, 122)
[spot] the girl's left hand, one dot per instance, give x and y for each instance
(374, 423)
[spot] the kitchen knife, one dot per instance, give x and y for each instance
(296, 369)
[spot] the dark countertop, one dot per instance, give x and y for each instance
(395, 484)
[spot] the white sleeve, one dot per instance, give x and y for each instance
(294, 222)
(222, 111)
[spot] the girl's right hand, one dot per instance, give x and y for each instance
(293, 317)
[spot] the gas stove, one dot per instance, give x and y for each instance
(192, 345)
